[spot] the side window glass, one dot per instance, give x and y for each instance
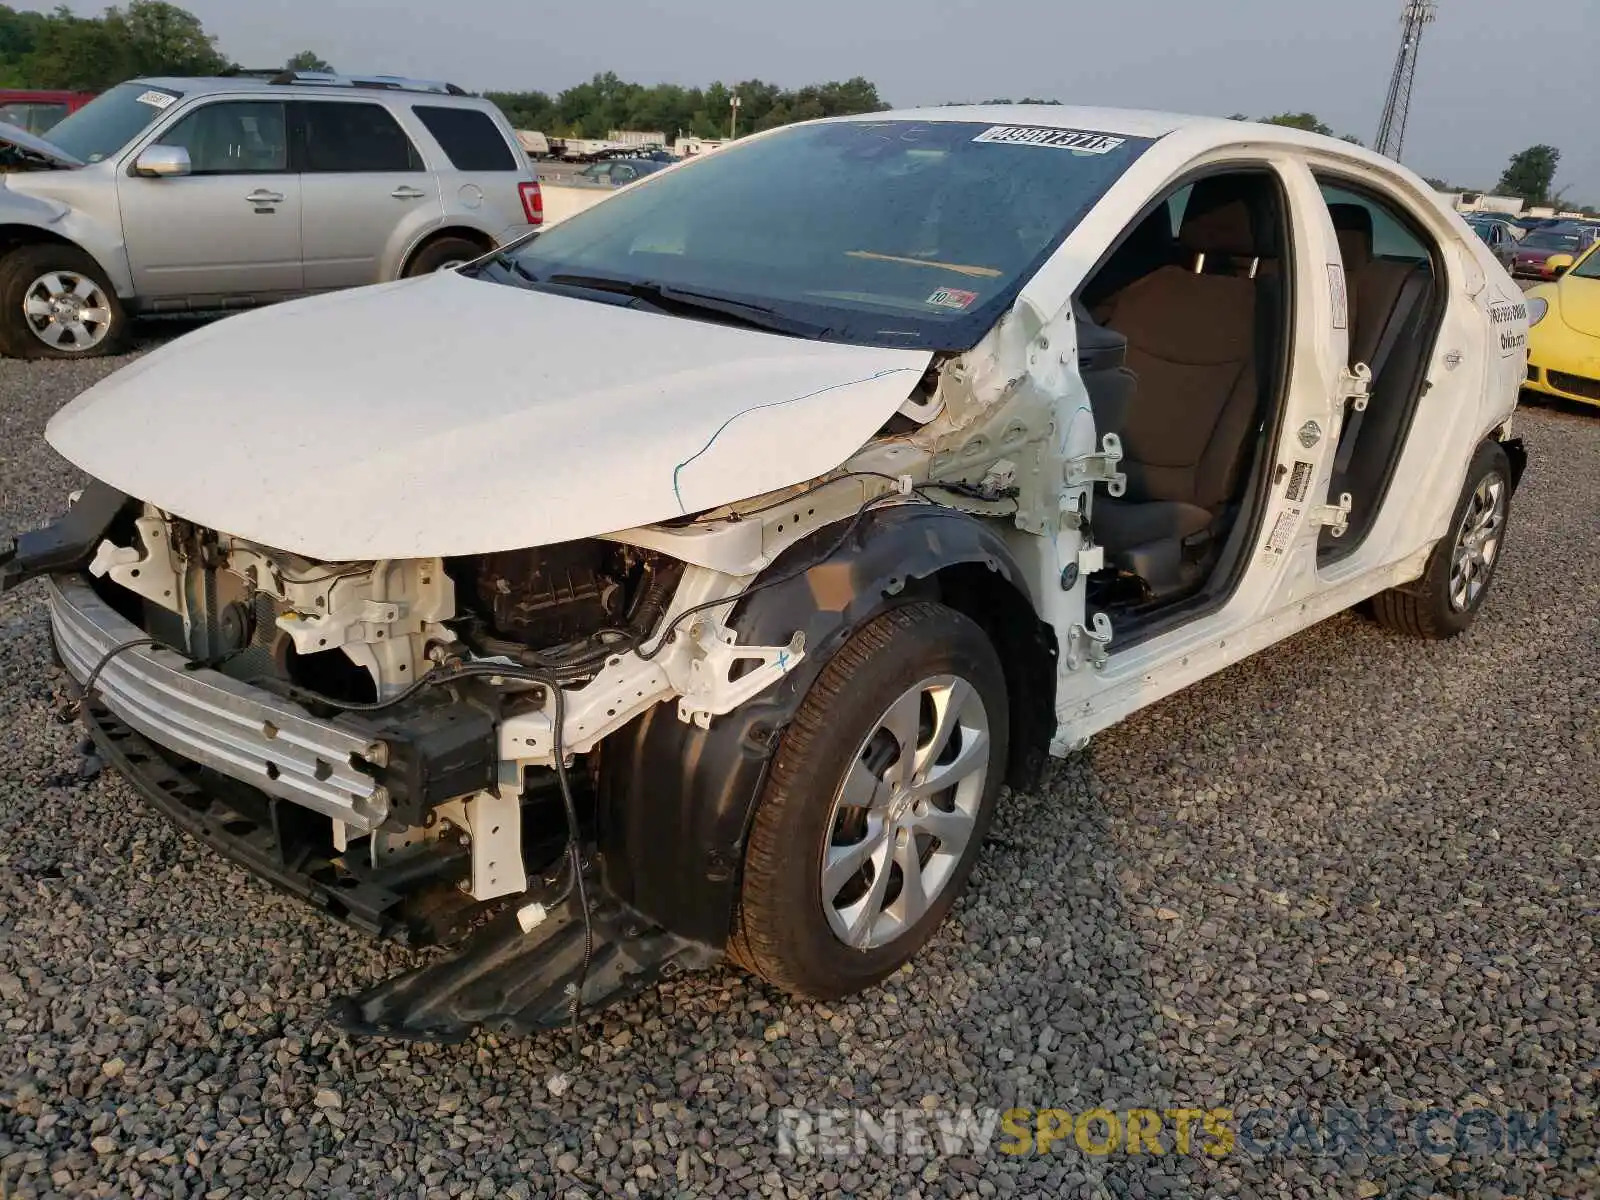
(35, 117)
(233, 137)
(355, 138)
(470, 139)
(1177, 205)
(1391, 240)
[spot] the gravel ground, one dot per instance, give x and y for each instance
(1355, 871)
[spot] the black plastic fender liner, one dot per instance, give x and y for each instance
(1517, 456)
(675, 800)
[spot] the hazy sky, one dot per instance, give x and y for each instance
(1494, 76)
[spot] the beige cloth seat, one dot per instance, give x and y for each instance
(1195, 344)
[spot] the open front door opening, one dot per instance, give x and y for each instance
(1183, 346)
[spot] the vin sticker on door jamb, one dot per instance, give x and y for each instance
(1075, 140)
(1283, 531)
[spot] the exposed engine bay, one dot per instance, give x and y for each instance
(355, 633)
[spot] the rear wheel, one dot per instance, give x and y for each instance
(1446, 600)
(55, 302)
(446, 254)
(877, 805)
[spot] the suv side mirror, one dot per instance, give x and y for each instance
(1557, 265)
(161, 162)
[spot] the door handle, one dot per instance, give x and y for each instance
(262, 196)
(406, 192)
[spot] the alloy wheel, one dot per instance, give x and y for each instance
(1478, 542)
(907, 808)
(67, 311)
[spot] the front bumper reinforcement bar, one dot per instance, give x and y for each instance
(497, 976)
(244, 732)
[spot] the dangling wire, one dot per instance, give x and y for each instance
(75, 710)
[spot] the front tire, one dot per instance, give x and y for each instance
(878, 801)
(1445, 601)
(55, 302)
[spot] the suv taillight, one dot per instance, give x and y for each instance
(532, 202)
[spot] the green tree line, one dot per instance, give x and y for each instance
(61, 50)
(605, 103)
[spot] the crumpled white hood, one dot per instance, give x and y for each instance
(448, 415)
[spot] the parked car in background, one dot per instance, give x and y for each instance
(1495, 233)
(687, 580)
(1526, 259)
(1564, 329)
(36, 111)
(616, 172)
(191, 194)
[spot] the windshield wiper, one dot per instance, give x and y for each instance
(682, 301)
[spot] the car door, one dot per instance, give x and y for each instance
(364, 187)
(228, 229)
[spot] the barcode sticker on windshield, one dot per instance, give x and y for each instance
(156, 99)
(1055, 139)
(952, 298)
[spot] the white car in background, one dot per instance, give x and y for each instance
(942, 440)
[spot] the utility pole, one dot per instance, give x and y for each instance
(733, 122)
(1414, 17)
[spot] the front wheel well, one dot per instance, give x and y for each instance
(476, 236)
(14, 236)
(1027, 650)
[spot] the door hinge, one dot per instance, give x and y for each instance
(1099, 468)
(1088, 645)
(1336, 516)
(1355, 386)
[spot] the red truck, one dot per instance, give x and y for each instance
(37, 111)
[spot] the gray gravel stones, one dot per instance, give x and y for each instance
(1355, 871)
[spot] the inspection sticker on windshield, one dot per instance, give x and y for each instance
(952, 298)
(1055, 139)
(156, 99)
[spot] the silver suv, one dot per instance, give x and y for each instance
(171, 195)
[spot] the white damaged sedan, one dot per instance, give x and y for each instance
(687, 580)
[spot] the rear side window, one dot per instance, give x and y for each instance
(1390, 239)
(353, 137)
(470, 139)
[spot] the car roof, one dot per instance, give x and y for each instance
(1126, 122)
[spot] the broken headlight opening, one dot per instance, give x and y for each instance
(411, 745)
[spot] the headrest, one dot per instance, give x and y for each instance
(1220, 218)
(1353, 224)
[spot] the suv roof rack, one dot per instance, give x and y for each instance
(394, 83)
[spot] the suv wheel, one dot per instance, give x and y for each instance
(56, 303)
(446, 254)
(877, 804)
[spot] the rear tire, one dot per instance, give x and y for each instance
(56, 302)
(921, 672)
(443, 255)
(1445, 601)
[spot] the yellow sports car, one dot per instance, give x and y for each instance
(1564, 329)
